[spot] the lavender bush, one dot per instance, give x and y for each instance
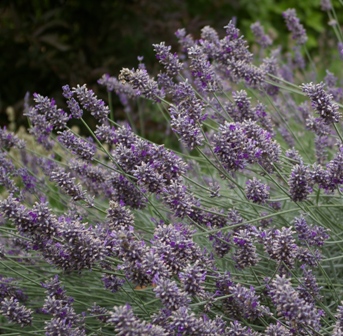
(238, 232)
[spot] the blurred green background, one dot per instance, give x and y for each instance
(48, 43)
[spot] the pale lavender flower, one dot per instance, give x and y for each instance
(270, 66)
(39, 223)
(210, 42)
(308, 257)
(177, 197)
(9, 289)
(187, 115)
(308, 288)
(90, 102)
(176, 247)
(281, 247)
(93, 177)
(100, 313)
(171, 62)
(301, 316)
(9, 139)
(40, 128)
(77, 145)
(184, 322)
(318, 126)
(263, 118)
(309, 234)
(294, 26)
(221, 243)
(47, 107)
(74, 107)
(294, 155)
(112, 282)
(241, 109)
(256, 191)
(67, 184)
(322, 102)
(106, 133)
(125, 192)
(261, 38)
(260, 147)
(299, 183)
(15, 312)
(78, 248)
(141, 81)
(186, 41)
(335, 171)
(192, 278)
(298, 60)
(287, 136)
(338, 329)
(277, 330)
(171, 296)
(237, 329)
(126, 323)
(61, 326)
(245, 251)
(202, 69)
(325, 5)
(229, 146)
(119, 217)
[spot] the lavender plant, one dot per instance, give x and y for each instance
(235, 232)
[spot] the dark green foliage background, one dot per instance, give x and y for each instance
(47, 43)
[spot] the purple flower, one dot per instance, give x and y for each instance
(170, 295)
(322, 102)
(171, 62)
(309, 234)
(9, 139)
(186, 41)
(245, 251)
(140, 81)
(338, 329)
(256, 191)
(119, 217)
(241, 109)
(47, 108)
(126, 193)
(294, 26)
(126, 323)
(90, 102)
(192, 278)
(221, 243)
(294, 155)
(62, 326)
(175, 246)
(308, 288)
(112, 282)
(261, 38)
(299, 183)
(74, 107)
(78, 146)
(67, 184)
(281, 247)
(236, 329)
(100, 313)
(302, 317)
(9, 289)
(15, 312)
(202, 69)
(277, 330)
(325, 5)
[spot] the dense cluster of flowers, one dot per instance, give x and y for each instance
(235, 232)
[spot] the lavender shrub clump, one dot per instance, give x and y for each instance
(235, 231)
